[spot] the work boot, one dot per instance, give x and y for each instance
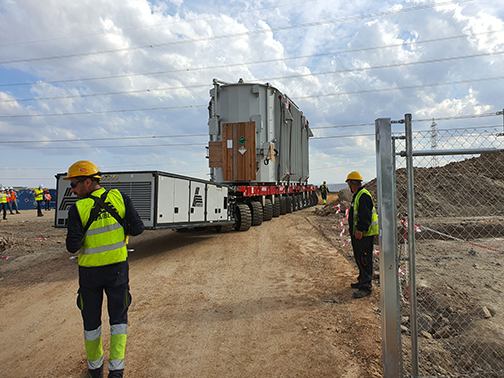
(116, 373)
(96, 373)
(361, 293)
(355, 285)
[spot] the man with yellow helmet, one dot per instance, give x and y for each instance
(323, 191)
(97, 227)
(363, 225)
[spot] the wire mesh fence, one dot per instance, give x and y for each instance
(459, 260)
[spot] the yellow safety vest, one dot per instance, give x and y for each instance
(104, 242)
(373, 227)
(3, 198)
(38, 194)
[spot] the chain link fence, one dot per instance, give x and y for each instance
(454, 325)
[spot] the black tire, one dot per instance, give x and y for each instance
(276, 207)
(257, 213)
(314, 198)
(267, 210)
(295, 203)
(243, 217)
(283, 205)
(288, 204)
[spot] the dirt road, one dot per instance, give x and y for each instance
(273, 301)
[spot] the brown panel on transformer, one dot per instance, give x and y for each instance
(239, 151)
(215, 154)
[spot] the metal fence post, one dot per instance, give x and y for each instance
(411, 244)
(389, 282)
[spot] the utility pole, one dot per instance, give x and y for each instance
(434, 140)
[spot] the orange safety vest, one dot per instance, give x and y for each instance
(9, 195)
(13, 195)
(47, 196)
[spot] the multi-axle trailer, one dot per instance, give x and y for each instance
(259, 168)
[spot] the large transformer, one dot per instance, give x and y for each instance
(257, 135)
(258, 157)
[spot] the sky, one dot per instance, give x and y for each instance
(126, 84)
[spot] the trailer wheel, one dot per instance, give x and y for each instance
(267, 210)
(243, 217)
(283, 205)
(301, 204)
(276, 207)
(288, 204)
(314, 199)
(295, 203)
(257, 213)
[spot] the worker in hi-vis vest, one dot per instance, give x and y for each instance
(39, 198)
(323, 191)
(3, 202)
(363, 226)
(98, 225)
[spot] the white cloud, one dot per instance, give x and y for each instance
(186, 39)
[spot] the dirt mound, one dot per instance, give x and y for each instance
(478, 183)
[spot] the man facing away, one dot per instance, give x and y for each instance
(363, 225)
(323, 191)
(98, 225)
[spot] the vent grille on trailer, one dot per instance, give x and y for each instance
(139, 192)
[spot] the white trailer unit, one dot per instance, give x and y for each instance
(163, 200)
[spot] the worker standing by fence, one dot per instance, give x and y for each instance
(363, 225)
(98, 225)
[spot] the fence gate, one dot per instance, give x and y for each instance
(442, 260)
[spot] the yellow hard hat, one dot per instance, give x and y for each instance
(354, 176)
(83, 168)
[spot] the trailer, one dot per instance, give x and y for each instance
(259, 167)
(163, 200)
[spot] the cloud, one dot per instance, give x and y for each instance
(164, 55)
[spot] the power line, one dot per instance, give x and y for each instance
(256, 62)
(243, 34)
(96, 139)
(205, 144)
(294, 98)
(155, 25)
(103, 147)
(105, 111)
(263, 79)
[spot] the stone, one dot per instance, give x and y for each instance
(425, 334)
(443, 333)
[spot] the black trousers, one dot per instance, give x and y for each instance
(114, 281)
(363, 254)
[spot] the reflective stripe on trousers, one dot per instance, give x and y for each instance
(118, 335)
(94, 348)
